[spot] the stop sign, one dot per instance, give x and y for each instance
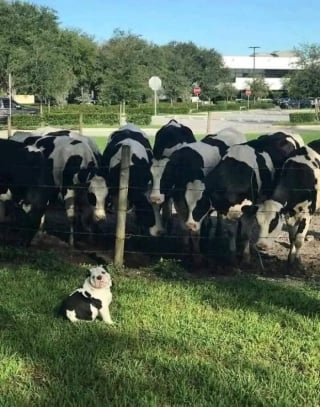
(197, 90)
(248, 92)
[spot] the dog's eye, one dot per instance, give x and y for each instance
(103, 272)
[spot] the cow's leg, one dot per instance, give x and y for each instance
(297, 234)
(244, 231)
(69, 201)
(167, 215)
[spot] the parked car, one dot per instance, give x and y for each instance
(288, 103)
(16, 108)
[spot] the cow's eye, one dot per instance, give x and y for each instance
(92, 199)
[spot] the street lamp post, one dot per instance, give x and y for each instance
(254, 59)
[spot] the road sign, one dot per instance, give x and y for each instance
(248, 92)
(197, 90)
(155, 83)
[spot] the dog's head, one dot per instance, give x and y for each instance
(98, 277)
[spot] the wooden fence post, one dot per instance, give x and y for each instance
(9, 125)
(122, 206)
(81, 123)
(209, 122)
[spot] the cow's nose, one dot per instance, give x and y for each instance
(192, 226)
(263, 246)
(156, 199)
(99, 278)
(100, 215)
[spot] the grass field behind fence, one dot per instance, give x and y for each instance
(178, 340)
(308, 135)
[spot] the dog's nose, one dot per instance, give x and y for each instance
(99, 278)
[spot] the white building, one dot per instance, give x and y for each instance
(272, 67)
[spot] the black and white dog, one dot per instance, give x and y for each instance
(91, 300)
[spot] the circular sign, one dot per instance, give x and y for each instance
(155, 83)
(197, 90)
(248, 92)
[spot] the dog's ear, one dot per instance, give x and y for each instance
(88, 273)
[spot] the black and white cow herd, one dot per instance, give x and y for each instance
(259, 184)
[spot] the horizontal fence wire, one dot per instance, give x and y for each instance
(110, 235)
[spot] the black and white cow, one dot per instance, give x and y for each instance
(246, 174)
(168, 139)
(27, 137)
(185, 171)
(139, 178)
(295, 200)
(23, 192)
(76, 176)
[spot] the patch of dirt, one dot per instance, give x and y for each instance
(143, 251)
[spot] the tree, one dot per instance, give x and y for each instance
(259, 88)
(226, 90)
(123, 64)
(81, 54)
(305, 81)
(30, 51)
(187, 64)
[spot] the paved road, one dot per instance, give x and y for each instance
(253, 121)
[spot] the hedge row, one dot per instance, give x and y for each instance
(73, 119)
(162, 108)
(305, 117)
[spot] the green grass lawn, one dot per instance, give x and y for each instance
(241, 341)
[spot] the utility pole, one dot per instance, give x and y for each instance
(254, 59)
(10, 106)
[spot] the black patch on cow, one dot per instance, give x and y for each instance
(71, 168)
(302, 225)
(274, 222)
(297, 183)
(170, 136)
(59, 133)
(86, 174)
(267, 182)
(230, 183)
(315, 145)
(121, 135)
(185, 165)
(30, 141)
(202, 207)
(222, 147)
(92, 199)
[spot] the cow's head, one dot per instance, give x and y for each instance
(269, 217)
(96, 190)
(148, 216)
(197, 205)
(157, 195)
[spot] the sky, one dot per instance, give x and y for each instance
(228, 26)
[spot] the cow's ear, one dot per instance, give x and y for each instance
(249, 209)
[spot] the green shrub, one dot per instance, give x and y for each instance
(27, 121)
(139, 119)
(64, 119)
(304, 117)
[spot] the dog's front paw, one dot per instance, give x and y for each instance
(108, 321)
